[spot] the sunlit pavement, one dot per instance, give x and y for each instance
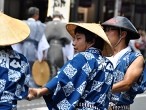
(139, 102)
(37, 104)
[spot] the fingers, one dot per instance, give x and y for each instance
(32, 94)
(30, 97)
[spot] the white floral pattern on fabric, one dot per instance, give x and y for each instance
(2, 84)
(81, 88)
(14, 73)
(68, 88)
(4, 60)
(101, 63)
(15, 64)
(18, 91)
(86, 68)
(13, 76)
(87, 55)
(24, 65)
(70, 71)
(93, 74)
(120, 75)
(64, 105)
(109, 78)
(97, 85)
(7, 96)
(102, 99)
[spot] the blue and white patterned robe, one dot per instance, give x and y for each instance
(14, 75)
(87, 78)
(124, 98)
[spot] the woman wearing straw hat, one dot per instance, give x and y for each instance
(128, 65)
(85, 81)
(14, 67)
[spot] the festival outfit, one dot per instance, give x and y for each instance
(84, 83)
(121, 62)
(35, 44)
(14, 77)
(61, 49)
(30, 45)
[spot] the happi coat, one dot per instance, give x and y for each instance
(14, 77)
(121, 62)
(83, 83)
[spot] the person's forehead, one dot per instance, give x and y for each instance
(79, 34)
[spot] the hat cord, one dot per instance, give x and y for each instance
(119, 39)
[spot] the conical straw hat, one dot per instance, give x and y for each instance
(96, 29)
(12, 30)
(41, 72)
(123, 23)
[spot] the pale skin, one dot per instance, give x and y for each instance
(134, 70)
(80, 45)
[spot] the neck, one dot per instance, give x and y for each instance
(118, 48)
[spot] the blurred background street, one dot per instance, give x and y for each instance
(37, 104)
(139, 102)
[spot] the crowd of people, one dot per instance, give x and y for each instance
(93, 66)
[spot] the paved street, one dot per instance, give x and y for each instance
(140, 102)
(37, 104)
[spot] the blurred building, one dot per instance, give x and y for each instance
(18, 8)
(83, 10)
(133, 9)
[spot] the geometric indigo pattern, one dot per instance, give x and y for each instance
(14, 77)
(124, 98)
(87, 78)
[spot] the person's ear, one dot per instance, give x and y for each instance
(123, 34)
(91, 43)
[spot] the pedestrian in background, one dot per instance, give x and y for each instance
(85, 81)
(14, 67)
(128, 64)
(61, 49)
(48, 18)
(35, 47)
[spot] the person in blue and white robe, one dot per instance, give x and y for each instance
(14, 78)
(14, 67)
(35, 47)
(128, 65)
(84, 82)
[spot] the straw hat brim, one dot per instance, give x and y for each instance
(96, 29)
(41, 72)
(12, 30)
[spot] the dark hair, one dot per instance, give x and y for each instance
(5, 47)
(91, 37)
(48, 18)
(33, 11)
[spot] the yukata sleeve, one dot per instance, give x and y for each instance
(69, 72)
(70, 82)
